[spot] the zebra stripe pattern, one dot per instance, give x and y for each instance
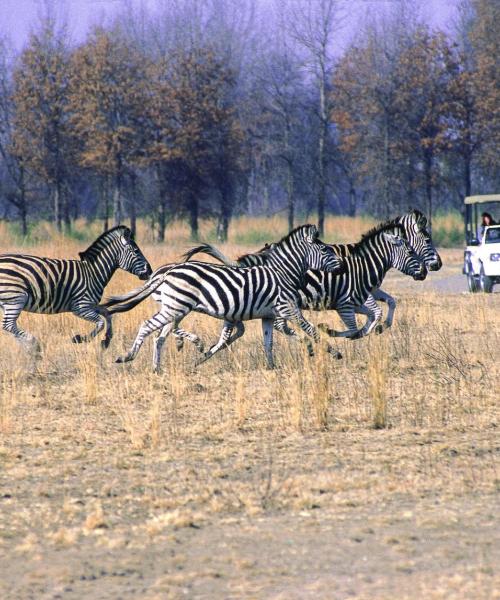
(413, 225)
(49, 286)
(234, 294)
(380, 249)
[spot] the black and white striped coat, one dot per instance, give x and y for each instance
(234, 294)
(49, 285)
(411, 225)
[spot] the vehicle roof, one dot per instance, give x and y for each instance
(482, 198)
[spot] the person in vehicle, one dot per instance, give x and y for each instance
(486, 221)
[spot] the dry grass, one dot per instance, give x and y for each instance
(234, 481)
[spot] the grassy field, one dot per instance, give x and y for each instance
(372, 477)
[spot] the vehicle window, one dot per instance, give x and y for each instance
(493, 236)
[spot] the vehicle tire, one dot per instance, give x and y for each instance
(485, 282)
(472, 282)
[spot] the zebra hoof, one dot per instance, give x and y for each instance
(179, 344)
(206, 356)
(123, 359)
(356, 336)
(105, 343)
(379, 329)
(77, 339)
(324, 327)
(335, 353)
(200, 346)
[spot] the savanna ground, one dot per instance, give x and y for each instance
(372, 477)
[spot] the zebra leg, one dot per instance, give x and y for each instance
(267, 332)
(347, 315)
(100, 317)
(158, 346)
(374, 313)
(282, 326)
(158, 321)
(181, 335)
(391, 304)
(225, 340)
(11, 313)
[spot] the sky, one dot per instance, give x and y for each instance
(18, 17)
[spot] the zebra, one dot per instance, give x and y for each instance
(414, 224)
(234, 294)
(366, 263)
(48, 285)
(380, 249)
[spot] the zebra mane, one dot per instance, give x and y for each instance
(381, 227)
(419, 217)
(96, 245)
(264, 251)
(303, 230)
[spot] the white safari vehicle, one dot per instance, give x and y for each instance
(482, 254)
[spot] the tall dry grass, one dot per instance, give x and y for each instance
(101, 459)
(436, 366)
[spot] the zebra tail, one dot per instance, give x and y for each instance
(125, 302)
(211, 251)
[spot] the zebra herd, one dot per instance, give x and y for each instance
(274, 285)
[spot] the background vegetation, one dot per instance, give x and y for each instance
(217, 109)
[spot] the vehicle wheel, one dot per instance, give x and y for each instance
(472, 282)
(485, 282)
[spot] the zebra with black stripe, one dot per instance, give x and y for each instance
(366, 264)
(49, 285)
(234, 294)
(414, 226)
(382, 248)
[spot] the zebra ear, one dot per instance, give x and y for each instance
(124, 240)
(312, 233)
(393, 239)
(419, 217)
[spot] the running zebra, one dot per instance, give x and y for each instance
(49, 285)
(382, 248)
(414, 226)
(366, 264)
(234, 294)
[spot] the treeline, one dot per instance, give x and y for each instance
(211, 109)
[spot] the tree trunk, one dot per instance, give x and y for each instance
(117, 201)
(321, 151)
(467, 176)
(133, 216)
(290, 196)
(23, 209)
(352, 200)
(57, 207)
(193, 216)
(387, 202)
(224, 217)
(132, 205)
(66, 210)
(162, 206)
(428, 186)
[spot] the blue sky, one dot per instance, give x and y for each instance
(18, 17)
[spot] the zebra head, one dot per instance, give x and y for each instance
(130, 257)
(415, 226)
(404, 258)
(318, 255)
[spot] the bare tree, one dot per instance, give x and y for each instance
(313, 25)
